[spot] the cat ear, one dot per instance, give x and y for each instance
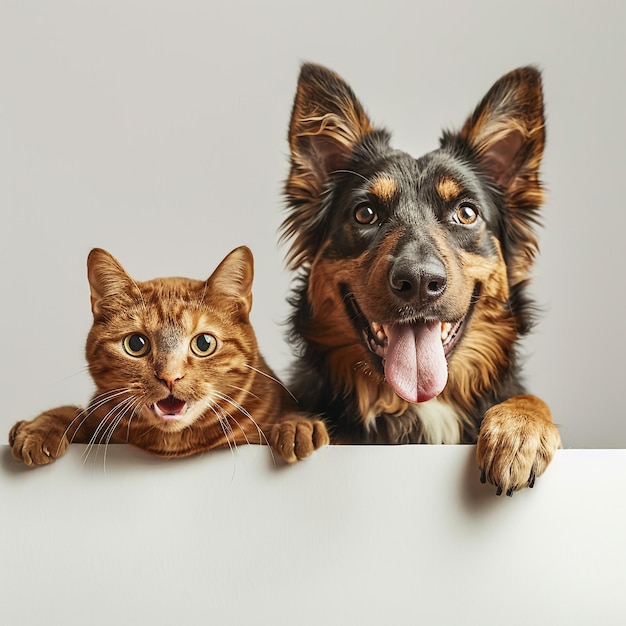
(507, 129)
(327, 121)
(107, 278)
(233, 277)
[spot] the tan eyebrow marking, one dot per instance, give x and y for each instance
(384, 187)
(448, 188)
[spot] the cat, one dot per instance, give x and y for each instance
(177, 371)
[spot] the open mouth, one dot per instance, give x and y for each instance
(377, 335)
(413, 353)
(170, 409)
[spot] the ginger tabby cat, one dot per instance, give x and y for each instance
(177, 371)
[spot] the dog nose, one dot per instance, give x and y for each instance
(425, 280)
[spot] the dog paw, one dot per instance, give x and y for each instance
(516, 443)
(35, 444)
(296, 438)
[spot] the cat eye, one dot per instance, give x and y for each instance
(365, 214)
(137, 344)
(466, 214)
(203, 345)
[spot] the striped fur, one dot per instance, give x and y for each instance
(201, 384)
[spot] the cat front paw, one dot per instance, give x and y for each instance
(516, 443)
(295, 438)
(36, 442)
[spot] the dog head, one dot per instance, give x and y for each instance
(411, 262)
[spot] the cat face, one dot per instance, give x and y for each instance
(170, 351)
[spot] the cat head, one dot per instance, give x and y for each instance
(168, 350)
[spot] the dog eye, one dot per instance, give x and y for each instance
(466, 214)
(136, 344)
(203, 345)
(364, 214)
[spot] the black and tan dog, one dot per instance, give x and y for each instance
(413, 275)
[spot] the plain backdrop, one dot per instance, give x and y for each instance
(157, 130)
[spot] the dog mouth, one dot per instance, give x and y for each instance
(377, 335)
(170, 409)
(413, 353)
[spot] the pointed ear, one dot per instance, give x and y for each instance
(327, 121)
(507, 133)
(507, 129)
(107, 278)
(233, 277)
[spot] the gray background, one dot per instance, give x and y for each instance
(157, 130)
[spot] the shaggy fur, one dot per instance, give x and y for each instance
(412, 281)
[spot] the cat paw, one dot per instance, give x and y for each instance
(516, 443)
(36, 445)
(297, 438)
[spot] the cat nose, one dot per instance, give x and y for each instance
(169, 379)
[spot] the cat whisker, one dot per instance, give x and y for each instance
(84, 414)
(116, 413)
(222, 418)
(136, 404)
(245, 391)
(227, 417)
(276, 380)
(140, 405)
(108, 434)
(224, 422)
(242, 410)
(82, 370)
(94, 405)
(103, 421)
(131, 404)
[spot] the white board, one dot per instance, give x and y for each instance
(354, 535)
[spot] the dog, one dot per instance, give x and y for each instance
(411, 293)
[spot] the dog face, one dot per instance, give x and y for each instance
(414, 266)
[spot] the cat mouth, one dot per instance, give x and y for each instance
(170, 408)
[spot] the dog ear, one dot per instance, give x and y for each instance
(507, 128)
(507, 133)
(327, 121)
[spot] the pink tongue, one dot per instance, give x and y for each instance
(415, 364)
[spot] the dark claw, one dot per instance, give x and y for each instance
(531, 480)
(510, 492)
(499, 491)
(483, 477)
